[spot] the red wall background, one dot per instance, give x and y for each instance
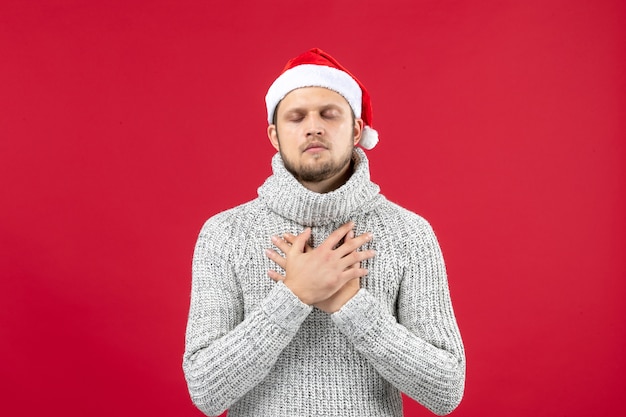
(124, 125)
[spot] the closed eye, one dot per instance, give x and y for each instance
(294, 117)
(329, 115)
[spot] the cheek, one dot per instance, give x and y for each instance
(292, 137)
(288, 139)
(287, 131)
(347, 130)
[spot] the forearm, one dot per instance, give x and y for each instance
(221, 371)
(432, 375)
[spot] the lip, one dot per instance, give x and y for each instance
(315, 147)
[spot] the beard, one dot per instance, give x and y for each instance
(317, 172)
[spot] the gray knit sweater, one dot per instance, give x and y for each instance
(254, 348)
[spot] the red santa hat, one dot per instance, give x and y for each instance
(315, 68)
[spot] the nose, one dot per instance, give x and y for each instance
(314, 126)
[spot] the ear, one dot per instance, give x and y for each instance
(272, 135)
(358, 130)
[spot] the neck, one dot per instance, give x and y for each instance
(283, 194)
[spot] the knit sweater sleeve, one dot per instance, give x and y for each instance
(227, 353)
(420, 352)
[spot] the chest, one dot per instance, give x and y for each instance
(383, 280)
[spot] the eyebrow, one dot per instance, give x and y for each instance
(299, 109)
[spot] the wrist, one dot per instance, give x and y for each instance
(298, 292)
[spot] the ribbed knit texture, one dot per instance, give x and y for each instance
(254, 348)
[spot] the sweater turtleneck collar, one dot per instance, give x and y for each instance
(284, 195)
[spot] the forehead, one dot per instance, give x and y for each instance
(312, 97)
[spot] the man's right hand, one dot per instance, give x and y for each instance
(316, 275)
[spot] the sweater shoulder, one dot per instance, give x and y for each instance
(404, 220)
(229, 226)
(232, 217)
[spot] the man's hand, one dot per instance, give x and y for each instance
(327, 276)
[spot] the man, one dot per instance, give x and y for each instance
(356, 307)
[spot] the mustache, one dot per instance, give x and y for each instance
(316, 143)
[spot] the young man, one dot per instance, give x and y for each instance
(350, 306)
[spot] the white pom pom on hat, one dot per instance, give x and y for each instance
(316, 68)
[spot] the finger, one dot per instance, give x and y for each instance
(299, 243)
(275, 275)
(274, 256)
(351, 245)
(335, 237)
(349, 236)
(290, 237)
(356, 257)
(352, 273)
(280, 244)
